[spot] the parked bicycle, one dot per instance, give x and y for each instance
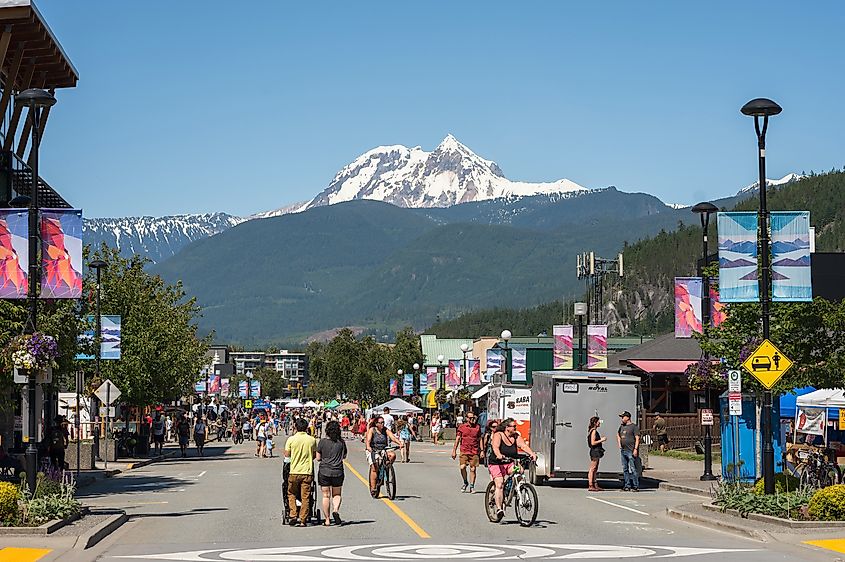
(125, 441)
(516, 487)
(385, 474)
(816, 471)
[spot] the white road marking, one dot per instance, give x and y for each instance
(631, 509)
(201, 474)
(626, 522)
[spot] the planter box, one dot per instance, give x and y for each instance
(790, 523)
(86, 454)
(41, 530)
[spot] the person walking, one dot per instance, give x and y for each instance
(200, 435)
(331, 452)
(261, 438)
(628, 439)
(269, 434)
(389, 420)
(57, 441)
(594, 440)
(436, 426)
(487, 440)
(662, 433)
(301, 449)
(183, 432)
(159, 427)
(468, 438)
(344, 425)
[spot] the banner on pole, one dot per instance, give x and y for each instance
(738, 257)
(110, 337)
(224, 388)
(61, 254)
(453, 374)
(718, 310)
(494, 360)
(423, 383)
(518, 371)
(791, 276)
(408, 385)
(256, 389)
(563, 358)
(597, 346)
(14, 252)
(214, 384)
(199, 386)
(811, 420)
(394, 387)
(242, 389)
(431, 376)
(474, 372)
(687, 306)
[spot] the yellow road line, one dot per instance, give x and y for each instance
(11, 554)
(399, 513)
(836, 545)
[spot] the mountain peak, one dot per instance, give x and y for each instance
(451, 143)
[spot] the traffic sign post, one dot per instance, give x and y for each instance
(248, 404)
(706, 416)
(735, 393)
(107, 393)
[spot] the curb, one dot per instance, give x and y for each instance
(788, 523)
(716, 523)
(683, 489)
(42, 530)
(102, 530)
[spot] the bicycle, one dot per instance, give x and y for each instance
(516, 486)
(238, 437)
(385, 474)
(815, 471)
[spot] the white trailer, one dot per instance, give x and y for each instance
(562, 403)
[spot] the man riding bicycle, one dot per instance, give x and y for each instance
(505, 446)
(376, 441)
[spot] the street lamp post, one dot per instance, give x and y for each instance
(506, 336)
(35, 99)
(580, 310)
(400, 381)
(440, 359)
(249, 376)
(704, 211)
(416, 379)
(761, 109)
(98, 266)
(465, 377)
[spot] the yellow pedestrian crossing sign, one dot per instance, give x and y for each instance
(768, 364)
(247, 404)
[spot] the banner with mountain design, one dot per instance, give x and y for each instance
(738, 257)
(431, 379)
(597, 346)
(473, 372)
(394, 387)
(407, 385)
(14, 251)
(453, 374)
(718, 311)
(791, 278)
(563, 358)
(61, 254)
(687, 306)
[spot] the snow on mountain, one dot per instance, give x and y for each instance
(412, 177)
(156, 238)
(771, 183)
(286, 210)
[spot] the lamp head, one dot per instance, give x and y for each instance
(705, 208)
(36, 97)
(464, 347)
(21, 201)
(506, 335)
(761, 107)
(440, 358)
(98, 264)
(416, 366)
(399, 372)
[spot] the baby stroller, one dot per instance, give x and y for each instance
(315, 510)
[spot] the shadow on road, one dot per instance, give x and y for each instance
(132, 484)
(195, 511)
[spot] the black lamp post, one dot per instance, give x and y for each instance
(440, 373)
(704, 211)
(35, 99)
(98, 266)
(581, 310)
(506, 336)
(465, 378)
(761, 109)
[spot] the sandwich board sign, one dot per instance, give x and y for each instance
(767, 364)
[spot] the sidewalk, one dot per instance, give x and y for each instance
(680, 475)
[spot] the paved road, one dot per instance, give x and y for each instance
(226, 506)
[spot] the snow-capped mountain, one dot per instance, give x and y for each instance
(156, 238)
(771, 183)
(412, 177)
(287, 209)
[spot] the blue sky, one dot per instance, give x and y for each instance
(197, 106)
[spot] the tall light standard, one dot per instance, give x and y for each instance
(440, 359)
(416, 379)
(761, 109)
(465, 377)
(35, 99)
(704, 211)
(506, 336)
(98, 266)
(249, 376)
(580, 310)
(400, 381)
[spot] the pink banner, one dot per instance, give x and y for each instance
(718, 309)
(394, 387)
(597, 346)
(687, 306)
(61, 254)
(453, 374)
(474, 370)
(563, 358)
(431, 375)
(14, 254)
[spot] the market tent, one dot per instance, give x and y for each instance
(832, 399)
(398, 406)
(332, 405)
(294, 404)
(348, 407)
(311, 404)
(788, 400)
(481, 392)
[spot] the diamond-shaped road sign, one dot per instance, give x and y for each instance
(767, 364)
(107, 392)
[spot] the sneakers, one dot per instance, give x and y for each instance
(500, 514)
(464, 488)
(336, 518)
(635, 489)
(471, 489)
(626, 489)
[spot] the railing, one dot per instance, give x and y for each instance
(684, 430)
(16, 179)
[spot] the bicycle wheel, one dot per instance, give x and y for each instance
(490, 503)
(806, 478)
(526, 504)
(830, 475)
(390, 482)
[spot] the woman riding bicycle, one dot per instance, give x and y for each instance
(505, 446)
(376, 441)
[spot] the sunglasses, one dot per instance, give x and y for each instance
(380, 423)
(511, 426)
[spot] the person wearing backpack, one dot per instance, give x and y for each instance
(58, 441)
(200, 435)
(158, 433)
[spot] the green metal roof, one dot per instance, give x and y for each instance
(448, 348)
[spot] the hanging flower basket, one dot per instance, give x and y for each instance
(704, 373)
(37, 351)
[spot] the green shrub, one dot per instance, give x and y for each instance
(783, 483)
(741, 497)
(828, 504)
(9, 496)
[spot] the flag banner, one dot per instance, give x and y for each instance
(791, 279)
(563, 358)
(199, 386)
(110, 337)
(242, 389)
(474, 372)
(61, 254)
(408, 385)
(597, 346)
(224, 388)
(453, 374)
(214, 384)
(518, 372)
(738, 257)
(687, 306)
(431, 378)
(394, 387)
(811, 420)
(423, 383)
(718, 310)
(494, 360)
(256, 389)
(14, 253)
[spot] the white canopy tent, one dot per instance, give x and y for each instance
(397, 406)
(823, 398)
(311, 404)
(294, 405)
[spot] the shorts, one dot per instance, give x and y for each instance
(333, 481)
(261, 439)
(158, 438)
(183, 440)
(471, 460)
(374, 455)
(500, 470)
(662, 439)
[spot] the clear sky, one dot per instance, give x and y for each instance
(244, 106)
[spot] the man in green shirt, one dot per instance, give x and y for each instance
(300, 450)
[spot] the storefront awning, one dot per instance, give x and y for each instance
(655, 366)
(483, 391)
